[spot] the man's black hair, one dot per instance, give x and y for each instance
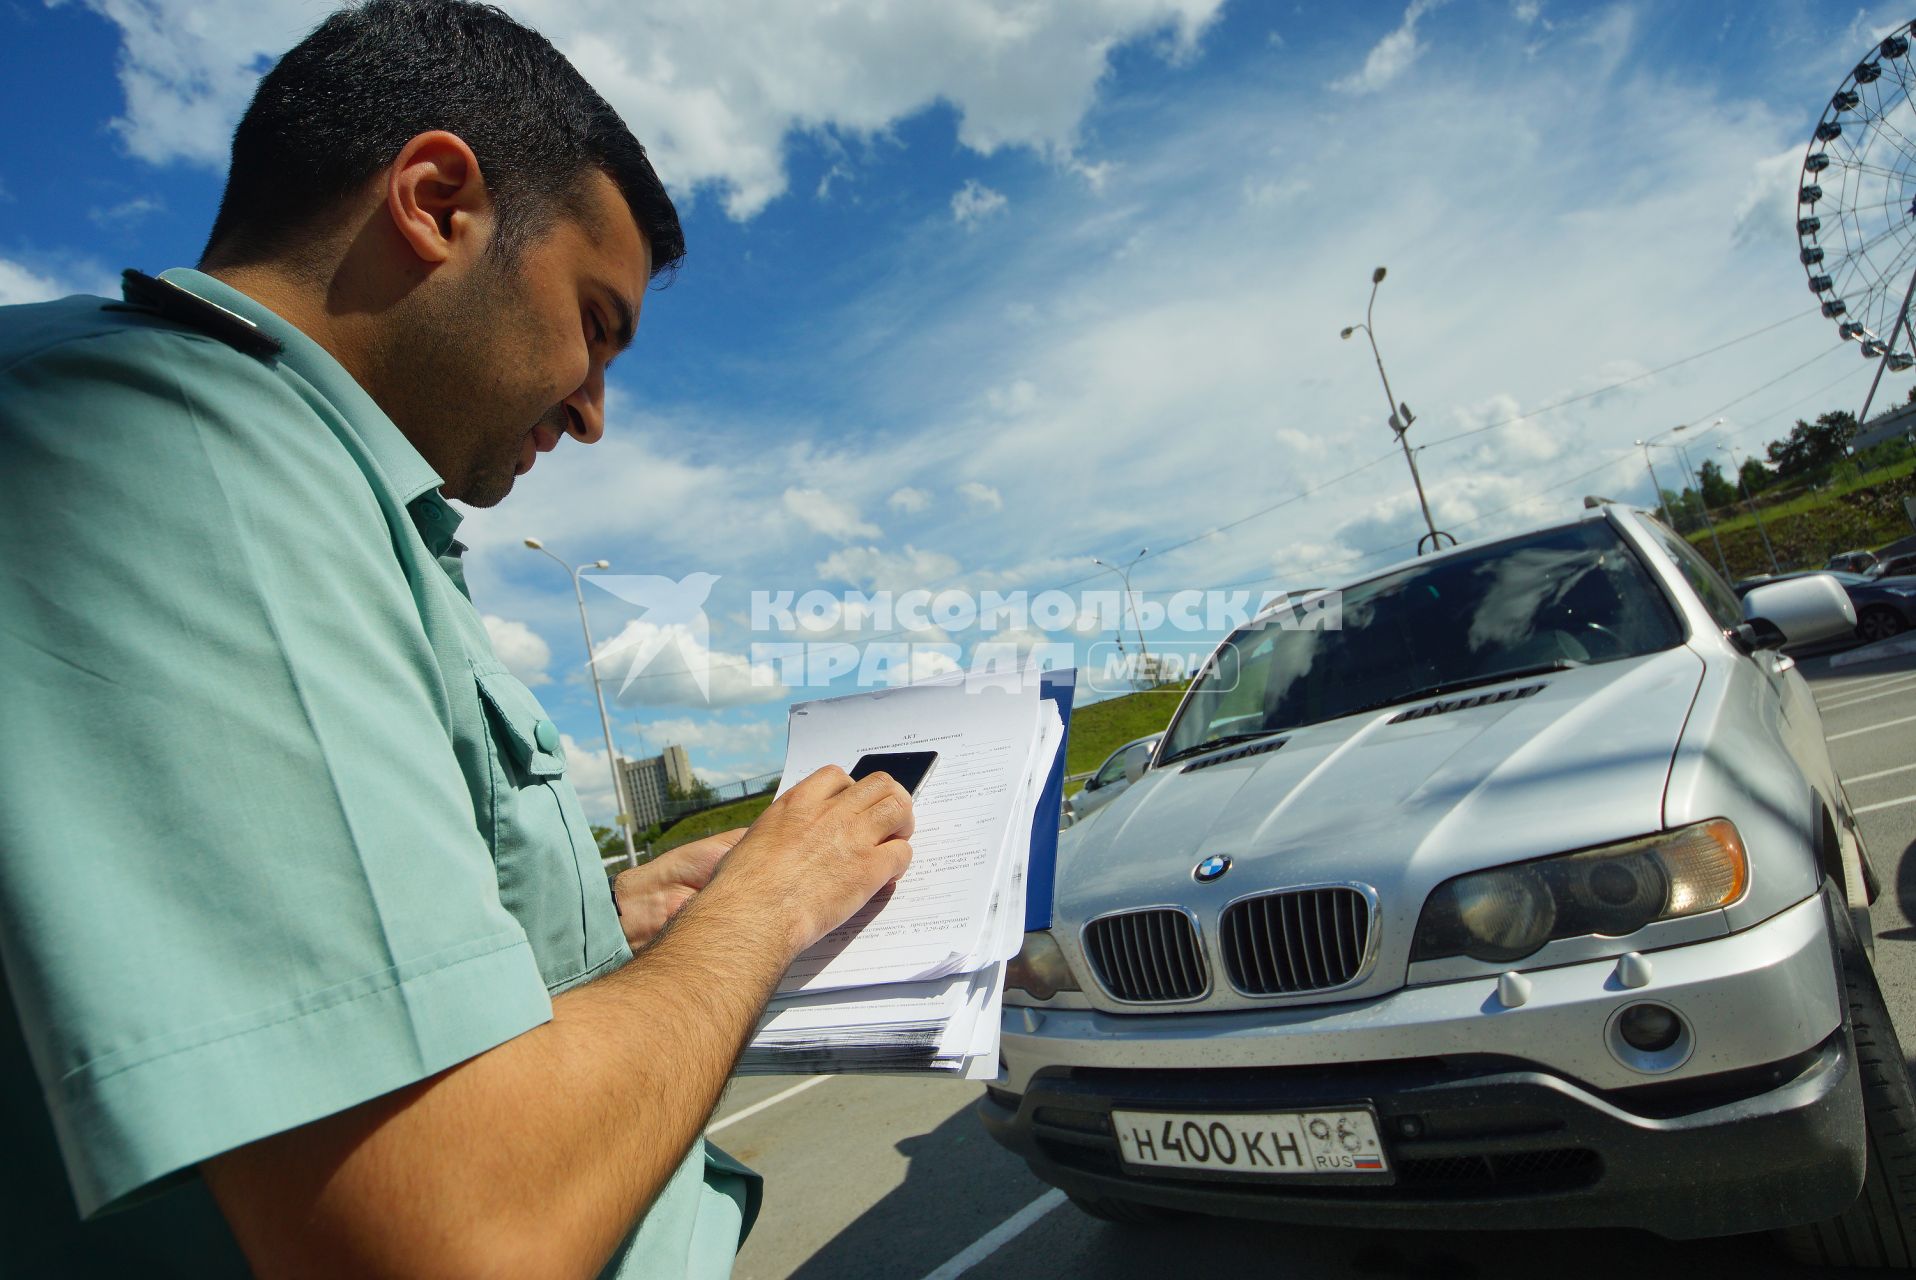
(342, 102)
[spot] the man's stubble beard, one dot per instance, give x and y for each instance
(452, 381)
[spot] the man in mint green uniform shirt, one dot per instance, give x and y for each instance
(309, 961)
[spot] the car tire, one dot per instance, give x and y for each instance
(1879, 1230)
(1128, 1212)
(1879, 622)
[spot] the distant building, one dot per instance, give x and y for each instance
(1897, 424)
(645, 785)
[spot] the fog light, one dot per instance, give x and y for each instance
(1649, 1028)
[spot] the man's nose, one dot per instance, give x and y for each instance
(586, 422)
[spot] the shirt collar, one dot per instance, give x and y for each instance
(404, 470)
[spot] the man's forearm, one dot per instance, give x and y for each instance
(561, 1138)
(536, 1157)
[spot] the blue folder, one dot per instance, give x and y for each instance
(1041, 874)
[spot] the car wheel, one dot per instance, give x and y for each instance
(1880, 622)
(1129, 1212)
(1879, 1230)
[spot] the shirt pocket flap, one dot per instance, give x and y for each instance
(531, 737)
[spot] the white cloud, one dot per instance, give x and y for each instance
(982, 497)
(1019, 397)
(1310, 444)
(20, 284)
(723, 749)
(1274, 192)
(1767, 213)
(712, 87)
(591, 777)
(973, 203)
(519, 647)
(825, 514)
(127, 213)
(668, 678)
(1526, 11)
(44, 277)
(873, 568)
(909, 500)
(1391, 56)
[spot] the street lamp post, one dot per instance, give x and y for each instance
(1702, 503)
(605, 721)
(1400, 420)
(1750, 502)
(1656, 484)
(1124, 576)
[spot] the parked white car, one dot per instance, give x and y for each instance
(1528, 898)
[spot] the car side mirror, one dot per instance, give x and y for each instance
(1091, 784)
(1798, 611)
(1134, 769)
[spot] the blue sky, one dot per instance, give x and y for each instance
(980, 290)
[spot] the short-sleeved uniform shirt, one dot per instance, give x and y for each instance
(278, 833)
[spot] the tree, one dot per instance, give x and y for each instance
(1685, 510)
(1717, 492)
(697, 792)
(1755, 476)
(611, 843)
(1812, 447)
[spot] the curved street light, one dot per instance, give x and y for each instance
(1750, 501)
(605, 721)
(1124, 576)
(1400, 420)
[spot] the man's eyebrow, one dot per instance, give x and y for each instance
(626, 320)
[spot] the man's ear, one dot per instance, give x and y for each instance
(437, 198)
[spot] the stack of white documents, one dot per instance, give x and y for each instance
(915, 981)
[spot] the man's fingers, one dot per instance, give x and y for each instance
(896, 854)
(817, 787)
(886, 812)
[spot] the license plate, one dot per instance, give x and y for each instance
(1272, 1144)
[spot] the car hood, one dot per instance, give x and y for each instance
(1399, 806)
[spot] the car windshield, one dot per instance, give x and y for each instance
(1561, 598)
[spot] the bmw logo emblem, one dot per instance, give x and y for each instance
(1211, 868)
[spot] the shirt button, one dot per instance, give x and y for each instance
(546, 734)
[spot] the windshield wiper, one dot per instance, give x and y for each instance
(1467, 682)
(1211, 744)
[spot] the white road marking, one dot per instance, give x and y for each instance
(1880, 773)
(1887, 724)
(1885, 804)
(1837, 704)
(1848, 687)
(772, 1101)
(999, 1236)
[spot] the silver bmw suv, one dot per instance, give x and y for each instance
(1523, 896)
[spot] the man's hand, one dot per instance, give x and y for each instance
(648, 896)
(535, 1157)
(819, 853)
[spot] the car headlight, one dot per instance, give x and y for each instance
(1511, 912)
(1039, 969)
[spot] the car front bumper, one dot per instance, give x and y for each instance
(1493, 1129)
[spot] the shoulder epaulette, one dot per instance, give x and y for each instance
(195, 312)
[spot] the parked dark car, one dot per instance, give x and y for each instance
(1901, 566)
(1852, 561)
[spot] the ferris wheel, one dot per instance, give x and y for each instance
(1856, 204)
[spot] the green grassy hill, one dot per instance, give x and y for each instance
(1861, 513)
(1103, 727)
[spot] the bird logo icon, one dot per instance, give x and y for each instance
(673, 618)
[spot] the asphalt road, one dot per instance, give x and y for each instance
(882, 1179)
